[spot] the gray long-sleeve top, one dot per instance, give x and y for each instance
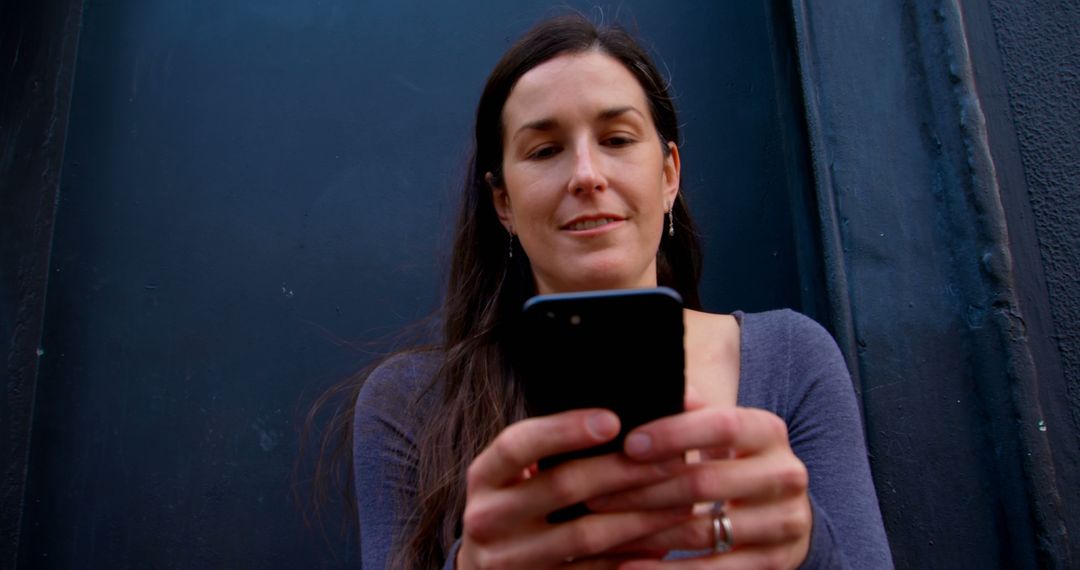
(789, 365)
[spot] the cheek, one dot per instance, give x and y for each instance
(533, 216)
(532, 202)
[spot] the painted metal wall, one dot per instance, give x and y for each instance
(38, 41)
(936, 267)
(1035, 69)
(1040, 60)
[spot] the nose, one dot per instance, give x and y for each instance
(587, 175)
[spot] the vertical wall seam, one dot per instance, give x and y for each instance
(56, 134)
(836, 280)
(1040, 478)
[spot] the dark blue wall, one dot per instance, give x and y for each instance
(940, 135)
(38, 42)
(1033, 81)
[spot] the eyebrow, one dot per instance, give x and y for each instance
(612, 113)
(549, 123)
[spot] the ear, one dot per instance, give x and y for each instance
(501, 198)
(672, 169)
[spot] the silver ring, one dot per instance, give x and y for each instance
(723, 538)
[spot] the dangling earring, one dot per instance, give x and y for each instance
(510, 245)
(671, 219)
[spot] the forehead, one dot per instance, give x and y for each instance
(582, 83)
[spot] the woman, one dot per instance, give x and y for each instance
(574, 185)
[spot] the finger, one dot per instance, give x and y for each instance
(526, 442)
(693, 399)
(757, 525)
(552, 545)
(605, 563)
(761, 557)
(608, 561)
(745, 430)
(597, 533)
(571, 483)
(752, 479)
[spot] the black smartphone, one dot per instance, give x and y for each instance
(620, 349)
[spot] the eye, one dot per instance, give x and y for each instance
(543, 152)
(618, 141)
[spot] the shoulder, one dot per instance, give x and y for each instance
(395, 401)
(403, 372)
(802, 341)
(785, 355)
(785, 324)
(403, 384)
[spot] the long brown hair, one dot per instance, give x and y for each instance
(486, 289)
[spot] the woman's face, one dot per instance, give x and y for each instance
(585, 180)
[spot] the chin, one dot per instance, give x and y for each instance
(607, 276)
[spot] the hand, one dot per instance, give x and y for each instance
(506, 503)
(746, 463)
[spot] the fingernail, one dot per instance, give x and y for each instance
(603, 425)
(638, 444)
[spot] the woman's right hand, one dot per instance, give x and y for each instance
(504, 524)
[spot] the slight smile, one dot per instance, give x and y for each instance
(588, 225)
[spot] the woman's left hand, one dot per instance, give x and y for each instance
(747, 465)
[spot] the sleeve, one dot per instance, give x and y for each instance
(826, 433)
(385, 456)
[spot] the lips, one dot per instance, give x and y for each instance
(584, 223)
